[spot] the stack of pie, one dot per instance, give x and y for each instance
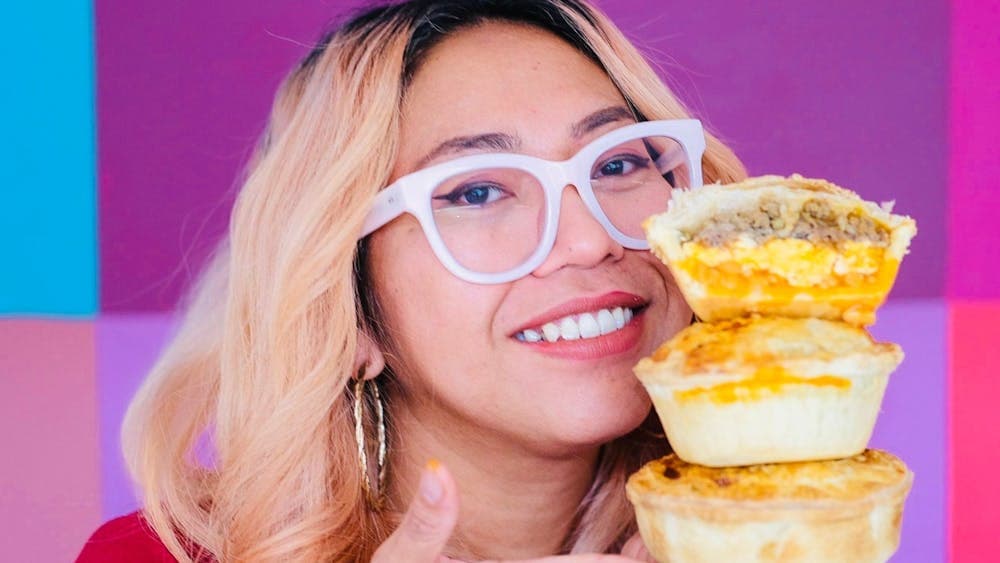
(769, 402)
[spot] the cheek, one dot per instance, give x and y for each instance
(672, 313)
(433, 318)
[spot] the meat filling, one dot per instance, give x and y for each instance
(817, 223)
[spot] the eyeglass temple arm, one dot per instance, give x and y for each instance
(670, 159)
(388, 205)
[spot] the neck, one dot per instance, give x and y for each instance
(515, 503)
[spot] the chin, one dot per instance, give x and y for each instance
(605, 418)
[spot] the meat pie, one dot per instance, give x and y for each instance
(791, 246)
(768, 389)
(841, 510)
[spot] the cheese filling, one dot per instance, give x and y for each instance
(765, 382)
(742, 266)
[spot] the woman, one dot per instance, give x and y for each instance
(478, 320)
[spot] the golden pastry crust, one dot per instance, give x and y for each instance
(795, 181)
(741, 346)
(818, 512)
(765, 389)
(771, 206)
(871, 472)
(781, 246)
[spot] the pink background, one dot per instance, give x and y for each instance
(50, 477)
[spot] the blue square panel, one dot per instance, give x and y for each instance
(48, 239)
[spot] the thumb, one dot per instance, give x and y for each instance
(428, 522)
(636, 549)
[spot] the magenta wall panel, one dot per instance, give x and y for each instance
(49, 479)
(853, 91)
(974, 249)
(127, 347)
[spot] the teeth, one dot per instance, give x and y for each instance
(588, 326)
(606, 320)
(568, 329)
(585, 325)
(551, 332)
(619, 317)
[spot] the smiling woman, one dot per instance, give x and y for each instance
(436, 255)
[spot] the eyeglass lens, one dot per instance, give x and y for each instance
(491, 220)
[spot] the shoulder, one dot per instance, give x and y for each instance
(125, 539)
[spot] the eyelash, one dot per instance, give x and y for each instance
(456, 194)
(638, 161)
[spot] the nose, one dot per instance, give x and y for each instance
(581, 240)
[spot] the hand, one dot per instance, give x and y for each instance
(430, 520)
(635, 549)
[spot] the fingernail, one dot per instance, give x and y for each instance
(430, 485)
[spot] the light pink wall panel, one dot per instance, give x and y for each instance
(49, 476)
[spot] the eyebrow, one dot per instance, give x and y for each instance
(600, 118)
(496, 142)
(504, 142)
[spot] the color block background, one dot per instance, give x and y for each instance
(897, 100)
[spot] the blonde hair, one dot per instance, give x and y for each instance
(260, 366)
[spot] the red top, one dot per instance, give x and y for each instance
(127, 539)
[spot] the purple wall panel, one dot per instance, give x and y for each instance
(127, 347)
(853, 91)
(183, 91)
(912, 421)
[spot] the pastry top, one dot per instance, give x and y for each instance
(769, 207)
(872, 472)
(744, 345)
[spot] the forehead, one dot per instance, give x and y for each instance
(502, 77)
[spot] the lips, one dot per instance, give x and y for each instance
(586, 327)
(590, 324)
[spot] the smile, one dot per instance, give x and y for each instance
(591, 324)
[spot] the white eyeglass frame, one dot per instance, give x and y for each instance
(412, 193)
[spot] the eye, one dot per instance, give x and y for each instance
(621, 166)
(473, 195)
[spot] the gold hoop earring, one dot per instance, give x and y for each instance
(374, 498)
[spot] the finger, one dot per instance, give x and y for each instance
(636, 549)
(428, 522)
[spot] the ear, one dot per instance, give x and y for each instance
(368, 358)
